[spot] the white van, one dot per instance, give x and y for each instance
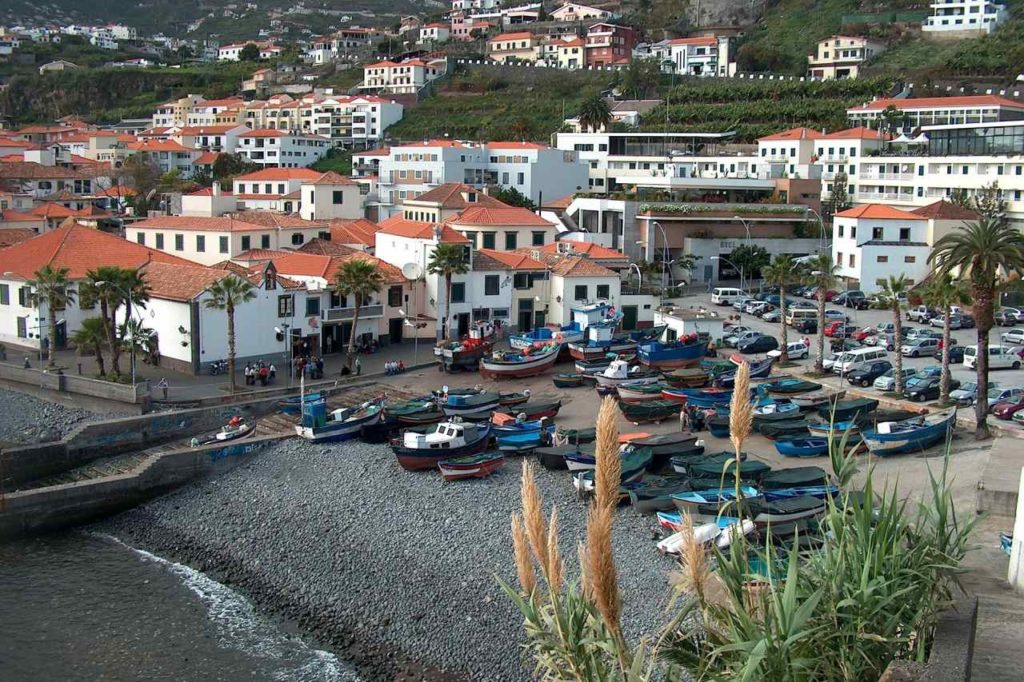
(725, 295)
(858, 358)
(794, 315)
(999, 357)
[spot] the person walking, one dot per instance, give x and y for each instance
(273, 372)
(359, 366)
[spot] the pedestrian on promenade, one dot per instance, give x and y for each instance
(273, 372)
(359, 366)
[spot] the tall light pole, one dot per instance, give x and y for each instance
(283, 330)
(664, 256)
(821, 229)
(128, 295)
(639, 275)
(745, 227)
(729, 262)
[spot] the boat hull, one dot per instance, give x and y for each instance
(331, 433)
(421, 460)
(583, 352)
(517, 370)
(660, 356)
(453, 471)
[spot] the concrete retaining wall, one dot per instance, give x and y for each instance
(67, 383)
(55, 507)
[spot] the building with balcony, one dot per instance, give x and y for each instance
(570, 52)
(215, 112)
(349, 121)
(167, 155)
(701, 56)
(434, 32)
(954, 19)
(938, 111)
(572, 11)
(407, 77)
(513, 47)
(610, 44)
(841, 56)
(281, 148)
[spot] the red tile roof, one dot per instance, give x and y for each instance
(860, 133)
(360, 231)
(512, 216)
(522, 35)
(209, 130)
(207, 158)
(220, 224)
(945, 210)
(15, 235)
(698, 40)
(795, 134)
(513, 260)
(413, 229)
(332, 178)
(313, 265)
(382, 151)
(450, 195)
(560, 203)
(30, 170)
(321, 247)
(281, 174)
(276, 219)
(940, 102)
(516, 145)
(878, 212)
(10, 216)
(158, 146)
(588, 249)
(178, 282)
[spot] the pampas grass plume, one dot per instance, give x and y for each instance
(533, 515)
(608, 463)
(521, 553)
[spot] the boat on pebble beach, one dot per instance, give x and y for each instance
(293, 405)
(527, 363)
(619, 372)
(650, 411)
(758, 370)
(802, 447)
(638, 393)
(554, 456)
(816, 398)
(573, 380)
(847, 410)
(685, 352)
(687, 377)
(515, 398)
(472, 466)
(233, 430)
(449, 439)
(790, 386)
(320, 426)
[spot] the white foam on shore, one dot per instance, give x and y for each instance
(240, 627)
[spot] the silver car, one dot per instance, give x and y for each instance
(887, 382)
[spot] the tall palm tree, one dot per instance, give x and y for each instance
(594, 114)
(448, 260)
(91, 336)
(783, 272)
(823, 274)
(227, 294)
(109, 286)
(52, 286)
(984, 253)
(360, 278)
(891, 295)
(943, 292)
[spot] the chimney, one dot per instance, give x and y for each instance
(216, 188)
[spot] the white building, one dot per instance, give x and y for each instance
(232, 52)
(330, 197)
(841, 56)
(349, 121)
(167, 155)
(939, 111)
(435, 32)
(572, 11)
(952, 19)
(701, 56)
(504, 229)
(270, 187)
(406, 77)
(212, 112)
(281, 148)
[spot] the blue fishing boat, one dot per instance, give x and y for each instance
(701, 397)
(758, 370)
(526, 439)
(566, 334)
(600, 339)
(453, 404)
(775, 411)
(686, 352)
(802, 447)
(524, 426)
(718, 426)
(693, 500)
(910, 435)
(819, 491)
(836, 430)
(319, 426)
(293, 405)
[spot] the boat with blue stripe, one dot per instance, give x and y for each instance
(910, 435)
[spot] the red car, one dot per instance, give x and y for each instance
(830, 294)
(864, 333)
(838, 329)
(1005, 409)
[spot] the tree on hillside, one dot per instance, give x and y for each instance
(52, 286)
(594, 114)
(227, 294)
(447, 260)
(839, 200)
(360, 279)
(249, 53)
(641, 78)
(512, 197)
(142, 174)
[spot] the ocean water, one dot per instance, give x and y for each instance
(86, 607)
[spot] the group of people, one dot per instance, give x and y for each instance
(692, 418)
(311, 367)
(261, 372)
(394, 367)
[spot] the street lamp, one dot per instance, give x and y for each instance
(639, 275)
(821, 229)
(289, 349)
(745, 227)
(415, 338)
(729, 262)
(128, 294)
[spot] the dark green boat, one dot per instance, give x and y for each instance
(848, 410)
(791, 386)
(654, 493)
(682, 463)
(785, 429)
(574, 380)
(797, 477)
(553, 456)
(576, 436)
(750, 469)
(650, 411)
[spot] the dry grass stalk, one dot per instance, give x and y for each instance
(602, 578)
(741, 410)
(521, 552)
(533, 515)
(554, 569)
(693, 561)
(608, 462)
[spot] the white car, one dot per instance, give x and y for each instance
(796, 350)
(829, 360)
(734, 341)
(741, 302)
(887, 382)
(832, 314)
(1014, 337)
(772, 316)
(997, 394)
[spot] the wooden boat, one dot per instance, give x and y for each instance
(564, 335)
(454, 404)
(517, 398)
(717, 531)
(836, 430)
(654, 493)
(634, 466)
(466, 353)
(718, 426)
(775, 412)
(553, 456)
(715, 366)
(650, 411)
(538, 410)
(791, 386)
(573, 380)
(816, 398)
(703, 397)
(750, 470)
(576, 436)
(802, 447)
(242, 428)
(633, 460)
(692, 501)
(592, 366)
(672, 521)
(664, 444)
(911, 435)
(758, 370)
(847, 410)
(505, 425)
(430, 416)
(601, 341)
(529, 411)
(446, 440)
(619, 372)
(819, 491)
(786, 510)
(794, 478)
(525, 440)
(471, 466)
(293, 405)
(528, 363)
(319, 426)
(685, 352)
(687, 377)
(638, 393)
(790, 428)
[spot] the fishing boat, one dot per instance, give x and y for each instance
(672, 521)
(911, 435)
(619, 372)
(633, 467)
(791, 386)
(751, 470)
(654, 493)
(802, 447)
(766, 512)
(576, 436)
(816, 398)
(691, 502)
(687, 377)
(471, 466)
(534, 411)
(836, 430)
(553, 456)
(447, 440)
(516, 398)
(235, 429)
(516, 365)
(847, 410)
(758, 370)
(664, 446)
(641, 392)
(650, 411)
(422, 411)
(574, 380)
(466, 353)
(819, 491)
(716, 366)
(718, 426)
(600, 340)
(524, 441)
(774, 412)
(504, 425)
(454, 405)
(700, 397)
(320, 426)
(594, 366)
(633, 460)
(293, 405)
(789, 428)
(685, 352)
(720, 532)
(795, 477)
(682, 461)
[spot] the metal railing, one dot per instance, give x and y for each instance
(366, 312)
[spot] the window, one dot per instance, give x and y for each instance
(500, 312)
(910, 259)
(511, 240)
(580, 292)
(265, 241)
(298, 238)
(140, 238)
(200, 243)
(883, 259)
(5, 294)
(489, 239)
(312, 306)
(471, 236)
(520, 178)
(492, 285)
(338, 197)
(853, 260)
(246, 243)
(853, 233)
(285, 306)
(223, 245)
(876, 233)
(840, 230)
(160, 241)
(604, 291)
(537, 238)
(25, 297)
(521, 280)
(458, 292)
(395, 296)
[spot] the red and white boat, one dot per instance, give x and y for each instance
(530, 362)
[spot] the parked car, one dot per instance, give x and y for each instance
(839, 330)
(830, 359)
(774, 299)
(920, 389)
(967, 321)
(918, 347)
(800, 291)
(998, 395)
(806, 326)
(956, 354)
(863, 333)
(832, 314)
(757, 307)
(886, 341)
(967, 393)
(915, 333)
(932, 371)
(999, 357)
(887, 382)
(1014, 337)
(955, 321)
(761, 344)
(1005, 409)
(867, 375)
(740, 337)
(741, 302)
(1007, 317)
(854, 299)
(796, 350)
(922, 314)
(772, 316)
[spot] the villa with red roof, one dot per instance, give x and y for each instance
(281, 148)
(401, 78)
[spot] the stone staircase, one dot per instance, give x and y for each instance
(999, 638)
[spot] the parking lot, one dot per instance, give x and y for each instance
(1004, 378)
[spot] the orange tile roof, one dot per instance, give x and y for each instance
(158, 146)
(588, 249)
(514, 215)
(577, 266)
(795, 134)
(79, 249)
(859, 133)
(560, 203)
(360, 231)
(573, 42)
(522, 35)
(208, 192)
(698, 40)
(178, 282)
(208, 130)
(30, 170)
(220, 224)
(516, 145)
(939, 102)
(266, 132)
(382, 151)
(10, 216)
(15, 235)
(52, 210)
(513, 260)
(230, 102)
(878, 212)
(449, 195)
(413, 229)
(276, 219)
(945, 210)
(6, 142)
(332, 178)
(116, 191)
(281, 174)
(207, 158)
(322, 247)
(325, 267)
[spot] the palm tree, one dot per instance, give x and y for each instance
(447, 260)
(984, 253)
(891, 295)
(227, 294)
(823, 275)
(53, 286)
(109, 285)
(360, 278)
(594, 114)
(943, 292)
(783, 271)
(91, 336)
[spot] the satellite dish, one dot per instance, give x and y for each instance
(412, 270)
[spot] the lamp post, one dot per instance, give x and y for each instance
(283, 331)
(415, 338)
(639, 275)
(729, 262)
(746, 227)
(821, 229)
(128, 294)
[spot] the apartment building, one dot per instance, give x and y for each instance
(407, 77)
(841, 56)
(701, 56)
(214, 138)
(167, 155)
(609, 44)
(175, 113)
(938, 111)
(327, 49)
(349, 121)
(954, 19)
(466, 27)
(504, 229)
(434, 32)
(509, 47)
(213, 112)
(281, 148)
(572, 11)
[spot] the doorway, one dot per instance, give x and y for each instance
(395, 327)
(525, 315)
(463, 321)
(630, 315)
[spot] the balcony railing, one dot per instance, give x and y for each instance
(365, 313)
(885, 176)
